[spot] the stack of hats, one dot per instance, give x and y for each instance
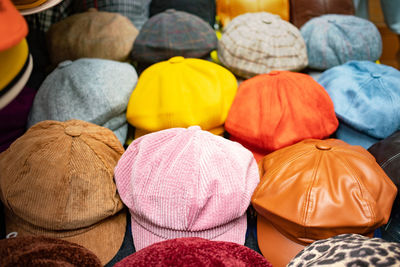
(333, 40)
(317, 189)
(173, 33)
(228, 10)
(366, 97)
(91, 34)
(186, 183)
(69, 170)
(180, 93)
(93, 90)
(28, 7)
(278, 109)
(16, 62)
(256, 43)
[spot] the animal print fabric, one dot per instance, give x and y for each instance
(349, 250)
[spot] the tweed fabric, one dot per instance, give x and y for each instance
(137, 11)
(257, 43)
(93, 90)
(316, 189)
(333, 40)
(173, 33)
(205, 9)
(195, 251)
(180, 93)
(186, 183)
(349, 250)
(281, 108)
(44, 251)
(57, 180)
(91, 34)
(366, 97)
(43, 20)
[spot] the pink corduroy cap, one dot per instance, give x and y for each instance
(186, 183)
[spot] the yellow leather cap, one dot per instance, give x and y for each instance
(181, 93)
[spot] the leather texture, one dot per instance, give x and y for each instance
(317, 189)
(302, 11)
(229, 9)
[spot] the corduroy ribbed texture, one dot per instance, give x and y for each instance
(184, 183)
(57, 180)
(256, 43)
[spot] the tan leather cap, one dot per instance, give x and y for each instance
(317, 189)
(57, 180)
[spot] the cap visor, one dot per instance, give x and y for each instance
(142, 237)
(46, 5)
(104, 239)
(275, 247)
(354, 137)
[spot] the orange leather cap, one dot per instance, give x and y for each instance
(229, 9)
(13, 27)
(278, 109)
(317, 189)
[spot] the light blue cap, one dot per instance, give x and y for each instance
(333, 40)
(366, 97)
(93, 90)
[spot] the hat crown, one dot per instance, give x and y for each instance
(309, 193)
(68, 168)
(186, 180)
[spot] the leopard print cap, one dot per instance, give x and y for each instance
(350, 250)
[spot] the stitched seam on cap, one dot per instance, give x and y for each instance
(361, 187)
(306, 204)
(389, 160)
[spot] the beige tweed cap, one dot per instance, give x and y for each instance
(92, 34)
(257, 43)
(57, 180)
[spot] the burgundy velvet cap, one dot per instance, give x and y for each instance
(44, 251)
(194, 251)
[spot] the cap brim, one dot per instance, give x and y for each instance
(12, 93)
(143, 237)
(104, 239)
(46, 5)
(354, 137)
(217, 131)
(275, 247)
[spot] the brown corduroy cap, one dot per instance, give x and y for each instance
(92, 34)
(44, 251)
(57, 180)
(317, 189)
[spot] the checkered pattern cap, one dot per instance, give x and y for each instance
(173, 33)
(256, 43)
